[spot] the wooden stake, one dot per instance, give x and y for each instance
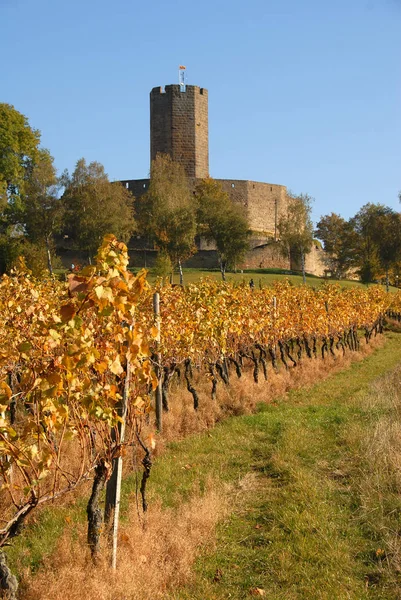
(119, 467)
(159, 403)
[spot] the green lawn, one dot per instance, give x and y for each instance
(262, 277)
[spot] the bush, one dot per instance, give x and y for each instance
(163, 266)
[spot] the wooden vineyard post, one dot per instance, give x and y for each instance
(274, 313)
(159, 406)
(273, 352)
(113, 490)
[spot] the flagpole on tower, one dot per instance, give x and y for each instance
(181, 78)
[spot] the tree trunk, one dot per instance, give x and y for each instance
(158, 391)
(180, 271)
(303, 266)
(223, 270)
(214, 380)
(8, 581)
(190, 387)
(387, 280)
(49, 257)
(95, 517)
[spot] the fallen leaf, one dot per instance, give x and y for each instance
(257, 591)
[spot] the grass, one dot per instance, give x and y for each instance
(263, 277)
(312, 506)
(315, 523)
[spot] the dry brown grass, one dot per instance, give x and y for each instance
(152, 559)
(242, 395)
(380, 483)
(393, 325)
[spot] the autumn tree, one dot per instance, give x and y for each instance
(166, 213)
(223, 222)
(296, 228)
(340, 240)
(95, 207)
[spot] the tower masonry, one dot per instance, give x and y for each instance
(179, 127)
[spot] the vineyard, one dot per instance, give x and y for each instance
(84, 365)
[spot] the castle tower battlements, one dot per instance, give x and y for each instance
(179, 127)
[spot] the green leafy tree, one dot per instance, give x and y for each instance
(166, 213)
(340, 240)
(94, 207)
(377, 227)
(223, 222)
(388, 240)
(19, 144)
(10, 249)
(43, 209)
(296, 228)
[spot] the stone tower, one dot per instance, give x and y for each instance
(179, 127)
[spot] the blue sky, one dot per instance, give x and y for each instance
(301, 93)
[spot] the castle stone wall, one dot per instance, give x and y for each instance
(179, 127)
(264, 203)
(268, 256)
(237, 190)
(160, 122)
(314, 261)
(137, 187)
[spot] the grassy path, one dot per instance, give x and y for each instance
(300, 526)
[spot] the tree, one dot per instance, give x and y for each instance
(94, 207)
(388, 239)
(379, 243)
(296, 227)
(166, 213)
(222, 221)
(340, 240)
(42, 208)
(18, 152)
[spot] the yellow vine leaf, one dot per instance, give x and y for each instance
(116, 367)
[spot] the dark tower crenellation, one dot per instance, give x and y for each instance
(179, 127)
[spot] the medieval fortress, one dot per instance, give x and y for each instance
(179, 127)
